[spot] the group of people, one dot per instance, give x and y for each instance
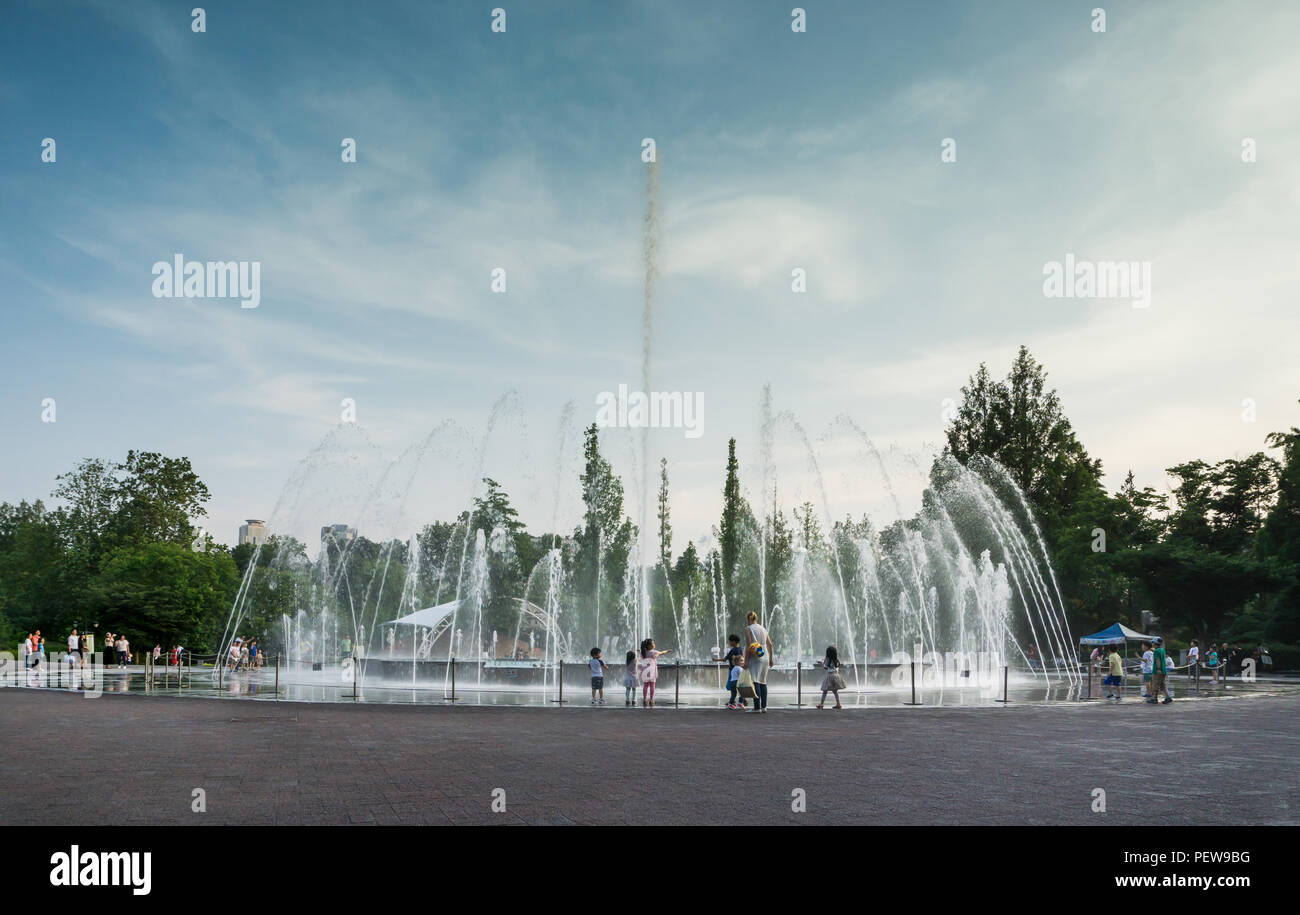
(244, 654)
(1155, 666)
(33, 649)
(747, 670)
(645, 672)
(117, 649)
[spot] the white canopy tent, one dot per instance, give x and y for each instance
(438, 620)
(430, 617)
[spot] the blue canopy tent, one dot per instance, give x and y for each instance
(1115, 635)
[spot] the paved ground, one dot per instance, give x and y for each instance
(136, 760)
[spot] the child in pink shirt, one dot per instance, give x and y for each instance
(650, 671)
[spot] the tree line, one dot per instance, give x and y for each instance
(1216, 557)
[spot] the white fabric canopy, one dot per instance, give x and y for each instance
(429, 616)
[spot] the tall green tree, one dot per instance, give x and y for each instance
(730, 526)
(665, 526)
(603, 540)
(1020, 423)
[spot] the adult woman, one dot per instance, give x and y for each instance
(758, 655)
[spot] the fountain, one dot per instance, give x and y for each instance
(948, 567)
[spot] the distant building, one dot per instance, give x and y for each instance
(252, 531)
(337, 533)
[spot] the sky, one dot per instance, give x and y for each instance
(522, 150)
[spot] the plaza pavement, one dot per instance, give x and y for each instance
(133, 759)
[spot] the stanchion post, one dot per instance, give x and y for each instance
(356, 676)
(798, 684)
(277, 677)
(452, 697)
(559, 681)
(1005, 698)
(913, 702)
(677, 682)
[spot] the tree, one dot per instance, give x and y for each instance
(665, 527)
(493, 509)
(604, 538)
(1021, 424)
(809, 528)
(1280, 534)
(1279, 540)
(729, 528)
(779, 551)
(32, 569)
(505, 537)
(1223, 506)
(165, 593)
(157, 497)
(1196, 588)
(662, 592)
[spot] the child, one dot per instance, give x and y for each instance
(1114, 681)
(598, 668)
(650, 671)
(629, 679)
(1148, 664)
(1212, 661)
(733, 681)
(833, 682)
(734, 657)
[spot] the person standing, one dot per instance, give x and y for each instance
(758, 655)
(1193, 660)
(629, 679)
(1159, 668)
(598, 668)
(1114, 681)
(650, 671)
(74, 646)
(733, 659)
(833, 682)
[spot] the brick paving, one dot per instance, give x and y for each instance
(130, 759)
